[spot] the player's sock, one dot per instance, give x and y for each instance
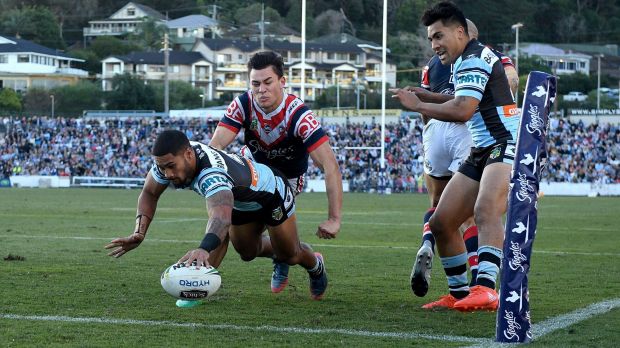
(489, 261)
(317, 270)
(427, 235)
(470, 237)
(456, 272)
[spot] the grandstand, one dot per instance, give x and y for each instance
(117, 150)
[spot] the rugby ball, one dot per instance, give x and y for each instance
(190, 282)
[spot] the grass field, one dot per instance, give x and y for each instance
(67, 292)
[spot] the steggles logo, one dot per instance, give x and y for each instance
(517, 257)
(536, 123)
(524, 188)
(511, 332)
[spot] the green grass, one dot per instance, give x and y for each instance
(576, 263)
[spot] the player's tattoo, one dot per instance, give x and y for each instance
(219, 206)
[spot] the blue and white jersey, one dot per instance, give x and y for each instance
(253, 184)
(479, 73)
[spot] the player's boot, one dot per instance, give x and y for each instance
(421, 273)
(318, 285)
(188, 303)
(444, 302)
(480, 298)
(279, 277)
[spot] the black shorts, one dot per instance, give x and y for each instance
(279, 208)
(480, 157)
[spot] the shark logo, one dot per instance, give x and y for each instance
(520, 228)
(514, 297)
(540, 91)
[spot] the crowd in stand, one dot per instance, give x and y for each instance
(120, 148)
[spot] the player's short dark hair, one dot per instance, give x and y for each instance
(170, 141)
(446, 12)
(263, 59)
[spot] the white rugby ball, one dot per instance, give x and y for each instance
(190, 283)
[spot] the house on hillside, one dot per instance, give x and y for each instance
(25, 64)
(186, 30)
(559, 60)
(190, 67)
(122, 22)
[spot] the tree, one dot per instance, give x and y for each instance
(252, 14)
(182, 96)
(9, 100)
(72, 100)
(35, 23)
(149, 34)
(37, 101)
(130, 93)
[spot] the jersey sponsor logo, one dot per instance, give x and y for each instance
(217, 160)
(489, 56)
(253, 173)
(233, 112)
(286, 152)
(472, 78)
(307, 126)
(213, 181)
(293, 105)
(254, 125)
(510, 110)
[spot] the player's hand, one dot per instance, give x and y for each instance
(124, 245)
(407, 98)
(200, 256)
(328, 229)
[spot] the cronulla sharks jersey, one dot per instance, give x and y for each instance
(478, 73)
(282, 138)
(253, 184)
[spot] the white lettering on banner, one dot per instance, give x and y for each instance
(511, 332)
(517, 257)
(540, 91)
(525, 189)
(536, 123)
(528, 333)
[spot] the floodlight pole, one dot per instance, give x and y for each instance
(302, 95)
(383, 82)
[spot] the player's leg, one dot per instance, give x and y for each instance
(490, 207)
(423, 264)
(455, 206)
(248, 241)
(470, 237)
(288, 248)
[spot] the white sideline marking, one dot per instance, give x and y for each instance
(561, 321)
(349, 246)
(268, 328)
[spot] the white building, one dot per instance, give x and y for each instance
(25, 64)
(560, 60)
(122, 22)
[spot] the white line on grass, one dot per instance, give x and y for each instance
(349, 246)
(268, 328)
(563, 321)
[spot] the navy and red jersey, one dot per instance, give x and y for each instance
(282, 138)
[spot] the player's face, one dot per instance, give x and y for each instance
(446, 41)
(267, 88)
(177, 168)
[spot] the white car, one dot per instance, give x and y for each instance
(575, 96)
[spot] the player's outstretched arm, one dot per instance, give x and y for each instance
(324, 158)
(219, 207)
(147, 203)
(222, 137)
(459, 109)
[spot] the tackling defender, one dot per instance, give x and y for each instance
(482, 99)
(243, 198)
(282, 132)
(446, 146)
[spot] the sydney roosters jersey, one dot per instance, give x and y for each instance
(282, 138)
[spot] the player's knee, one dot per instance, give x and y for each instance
(437, 225)
(484, 216)
(247, 256)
